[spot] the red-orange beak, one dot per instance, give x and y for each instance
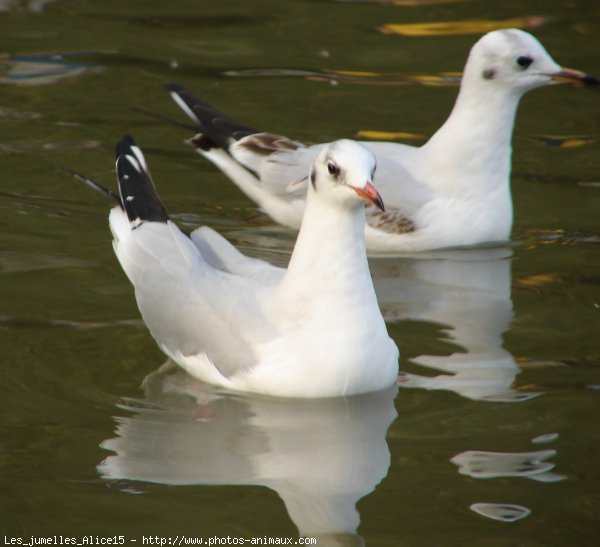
(573, 77)
(368, 193)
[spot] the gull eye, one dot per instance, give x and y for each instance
(524, 61)
(333, 169)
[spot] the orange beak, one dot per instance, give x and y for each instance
(368, 193)
(573, 77)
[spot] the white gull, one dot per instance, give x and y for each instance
(453, 191)
(313, 330)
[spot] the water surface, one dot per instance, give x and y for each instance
(492, 437)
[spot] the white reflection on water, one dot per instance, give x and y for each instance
(41, 69)
(545, 438)
(490, 465)
(320, 456)
(505, 512)
(468, 291)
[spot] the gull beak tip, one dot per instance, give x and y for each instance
(379, 203)
(371, 195)
(574, 77)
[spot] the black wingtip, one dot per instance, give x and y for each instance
(186, 101)
(138, 194)
(124, 146)
(201, 142)
(218, 129)
(172, 87)
(96, 186)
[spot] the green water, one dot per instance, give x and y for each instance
(499, 347)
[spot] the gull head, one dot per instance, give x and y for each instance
(343, 173)
(515, 61)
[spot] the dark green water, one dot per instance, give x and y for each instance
(501, 348)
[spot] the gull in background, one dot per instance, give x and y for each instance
(453, 191)
(313, 330)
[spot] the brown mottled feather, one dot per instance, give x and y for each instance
(391, 221)
(267, 143)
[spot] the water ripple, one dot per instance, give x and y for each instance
(41, 69)
(490, 465)
(504, 512)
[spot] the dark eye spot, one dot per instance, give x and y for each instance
(313, 178)
(489, 74)
(333, 169)
(524, 61)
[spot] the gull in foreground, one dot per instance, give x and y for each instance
(453, 191)
(313, 330)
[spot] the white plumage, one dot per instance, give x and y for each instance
(313, 330)
(452, 191)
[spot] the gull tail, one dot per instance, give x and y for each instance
(138, 193)
(263, 165)
(138, 197)
(216, 130)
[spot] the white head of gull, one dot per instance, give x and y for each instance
(453, 191)
(313, 330)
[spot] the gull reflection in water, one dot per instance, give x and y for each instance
(469, 292)
(480, 464)
(320, 456)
